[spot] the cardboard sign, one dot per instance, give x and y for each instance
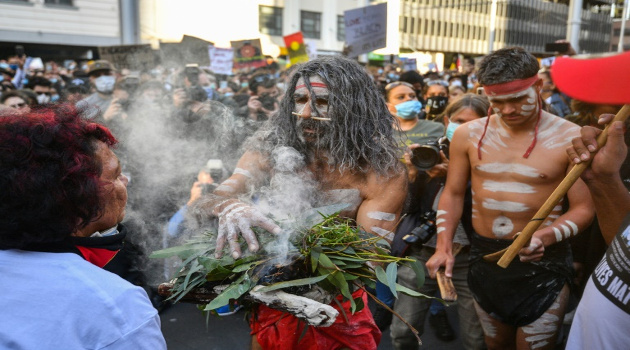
(366, 29)
(221, 60)
(296, 48)
(248, 53)
(410, 64)
(133, 57)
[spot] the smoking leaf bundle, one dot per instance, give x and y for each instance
(332, 254)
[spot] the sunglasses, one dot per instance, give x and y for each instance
(18, 105)
(398, 83)
(262, 78)
(43, 93)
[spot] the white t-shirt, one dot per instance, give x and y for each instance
(60, 301)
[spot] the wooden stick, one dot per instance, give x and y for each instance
(447, 289)
(508, 254)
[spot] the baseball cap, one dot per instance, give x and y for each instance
(99, 65)
(602, 80)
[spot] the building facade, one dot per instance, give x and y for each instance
(70, 28)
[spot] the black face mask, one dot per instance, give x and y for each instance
(437, 104)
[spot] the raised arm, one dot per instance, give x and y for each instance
(451, 204)
(236, 216)
(610, 196)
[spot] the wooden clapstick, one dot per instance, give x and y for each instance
(507, 255)
(447, 289)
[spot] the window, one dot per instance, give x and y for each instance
(58, 2)
(311, 24)
(341, 28)
(270, 20)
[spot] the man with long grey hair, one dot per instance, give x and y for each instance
(331, 141)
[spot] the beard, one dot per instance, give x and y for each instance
(314, 133)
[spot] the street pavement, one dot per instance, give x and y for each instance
(187, 328)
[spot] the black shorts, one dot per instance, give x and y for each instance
(519, 294)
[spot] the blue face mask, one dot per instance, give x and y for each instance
(450, 130)
(1, 77)
(409, 109)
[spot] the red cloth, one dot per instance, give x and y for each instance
(277, 330)
(97, 256)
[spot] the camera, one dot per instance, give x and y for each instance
(268, 102)
(208, 188)
(194, 92)
(427, 156)
(423, 233)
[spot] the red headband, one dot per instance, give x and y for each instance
(314, 84)
(510, 87)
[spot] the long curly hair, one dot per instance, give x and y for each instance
(49, 175)
(362, 137)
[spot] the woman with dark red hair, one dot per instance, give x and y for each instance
(62, 196)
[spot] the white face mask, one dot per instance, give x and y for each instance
(43, 99)
(105, 84)
(548, 100)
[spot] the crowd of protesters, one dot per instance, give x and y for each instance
(181, 130)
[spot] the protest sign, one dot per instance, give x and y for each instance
(410, 64)
(133, 57)
(248, 53)
(366, 29)
(311, 50)
(296, 48)
(221, 60)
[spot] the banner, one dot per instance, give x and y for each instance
(248, 53)
(133, 57)
(296, 48)
(366, 29)
(221, 60)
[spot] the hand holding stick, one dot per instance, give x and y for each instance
(507, 255)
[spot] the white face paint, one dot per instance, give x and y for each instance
(499, 168)
(383, 232)
(502, 226)
(379, 215)
(513, 207)
(242, 172)
(511, 187)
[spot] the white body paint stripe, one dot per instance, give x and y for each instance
(242, 172)
(379, 215)
(383, 232)
(514, 207)
(441, 229)
(497, 168)
(574, 227)
(558, 234)
(567, 231)
(440, 221)
(230, 181)
(225, 188)
(440, 213)
(512, 187)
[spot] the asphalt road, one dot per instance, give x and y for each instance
(186, 328)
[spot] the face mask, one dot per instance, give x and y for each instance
(213, 86)
(437, 104)
(392, 76)
(244, 84)
(450, 130)
(409, 109)
(281, 86)
(548, 100)
(53, 80)
(1, 77)
(228, 94)
(14, 67)
(380, 71)
(54, 98)
(105, 84)
(42, 99)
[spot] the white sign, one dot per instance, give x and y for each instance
(548, 61)
(221, 60)
(311, 50)
(410, 64)
(366, 29)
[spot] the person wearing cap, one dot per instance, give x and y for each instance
(514, 159)
(603, 314)
(101, 75)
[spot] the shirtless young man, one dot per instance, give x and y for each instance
(334, 133)
(514, 159)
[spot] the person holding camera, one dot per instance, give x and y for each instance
(421, 243)
(513, 159)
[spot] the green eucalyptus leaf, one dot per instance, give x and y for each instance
(360, 304)
(324, 261)
(293, 283)
(233, 291)
(417, 267)
(392, 271)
